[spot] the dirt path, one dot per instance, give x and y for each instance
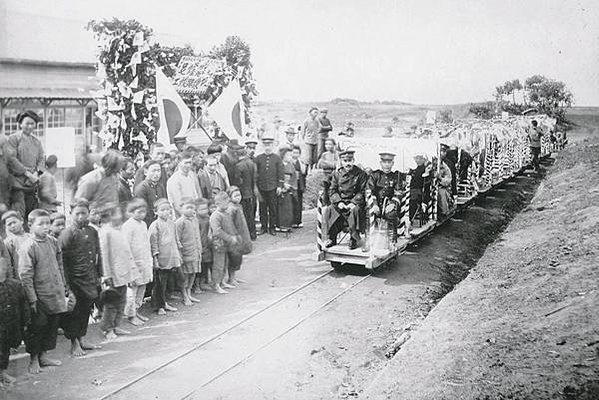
(524, 324)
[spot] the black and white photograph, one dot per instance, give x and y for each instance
(299, 199)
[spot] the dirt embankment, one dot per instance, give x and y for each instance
(525, 323)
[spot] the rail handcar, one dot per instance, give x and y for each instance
(497, 150)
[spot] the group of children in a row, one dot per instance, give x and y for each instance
(44, 273)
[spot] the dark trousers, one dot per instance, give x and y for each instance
(24, 202)
(42, 331)
(249, 211)
(113, 312)
(356, 221)
(75, 323)
(159, 289)
(268, 210)
(535, 152)
(235, 260)
(416, 199)
(298, 204)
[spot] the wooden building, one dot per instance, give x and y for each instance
(47, 64)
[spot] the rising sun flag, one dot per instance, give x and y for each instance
(227, 110)
(172, 110)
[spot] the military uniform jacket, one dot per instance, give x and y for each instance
(348, 186)
(385, 185)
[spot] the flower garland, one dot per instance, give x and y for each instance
(127, 58)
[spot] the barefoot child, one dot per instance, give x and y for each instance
(82, 269)
(188, 232)
(245, 243)
(224, 237)
(203, 215)
(119, 271)
(136, 232)
(40, 269)
(165, 251)
(15, 236)
(14, 316)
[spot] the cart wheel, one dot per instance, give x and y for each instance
(336, 265)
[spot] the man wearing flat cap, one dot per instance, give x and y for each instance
(387, 187)
(346, 194)
(29, 155)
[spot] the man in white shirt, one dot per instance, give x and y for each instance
(183, 183)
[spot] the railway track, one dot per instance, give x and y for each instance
(214, 357)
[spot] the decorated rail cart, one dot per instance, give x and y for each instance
(498, 150)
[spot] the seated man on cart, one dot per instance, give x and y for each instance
(346, 194)
(387, 187)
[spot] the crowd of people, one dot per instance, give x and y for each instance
(179, 223)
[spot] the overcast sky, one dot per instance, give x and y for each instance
(435, 52)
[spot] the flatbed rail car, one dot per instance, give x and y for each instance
(504, 154)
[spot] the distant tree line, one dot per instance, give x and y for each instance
(547, 96)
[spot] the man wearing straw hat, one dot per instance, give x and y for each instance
(346, 194)
(387, 187)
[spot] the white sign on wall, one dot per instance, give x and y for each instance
(61, 143)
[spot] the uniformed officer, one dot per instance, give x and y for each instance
(346, 194)
(386, 186)
(269, 180)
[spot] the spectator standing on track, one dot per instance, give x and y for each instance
(224, 237)
(534, 137)
(310, 136)
(119, 271)
(203, 215)
(80, 247)
(136, 232)
(244, 246)
(14, 317)
(165, 251)
(287, 193)
(302, 171)
(270, 178)
(41, 272)
(325, 130)
(246, 169)
(188, 232)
